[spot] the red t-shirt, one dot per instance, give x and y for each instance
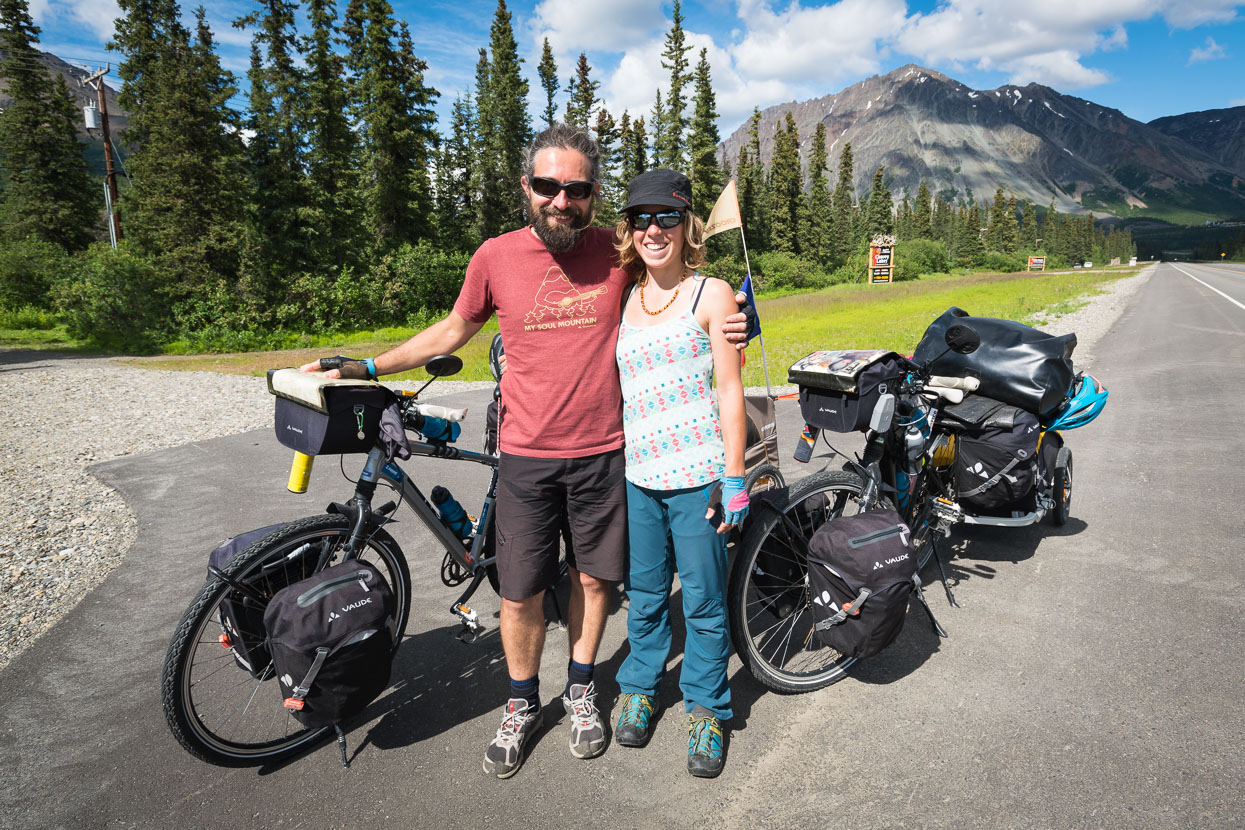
(559, 316)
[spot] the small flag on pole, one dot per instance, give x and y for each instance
(725, 213)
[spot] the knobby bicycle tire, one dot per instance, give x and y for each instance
(768, 595)
(220, 711)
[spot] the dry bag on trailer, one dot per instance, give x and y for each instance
(861, 570)
(331, 638)
(1017, 364)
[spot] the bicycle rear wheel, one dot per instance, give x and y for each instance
(768, 597)
(224, 713)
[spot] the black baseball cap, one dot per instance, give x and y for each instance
(660, 187)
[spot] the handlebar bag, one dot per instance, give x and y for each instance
(331, 638)
(334, 417)
(839, 389)
(861, 571)
(1017, 364)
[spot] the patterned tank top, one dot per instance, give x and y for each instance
(670, 411)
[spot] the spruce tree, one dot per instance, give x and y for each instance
(582, 99)
(1009, 230)
(658, 120)
(283, 240)
(504, 130)
(843, 208)
(455, 198)
(994, 222)
(922, 216)
(784, 189)
(47, 191)
(635, 156)
(608, 136)
(392, 109)
(970, 248)
(673, 148)
(185, 208)
(706, 175)
(1029, 228)
(548, 71)
(880, 213)
(816, 240)
(755, 210)
(330, 158)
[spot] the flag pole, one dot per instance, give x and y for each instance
(761, 337)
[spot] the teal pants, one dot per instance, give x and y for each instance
(668, 528)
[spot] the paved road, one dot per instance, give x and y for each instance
(1091, 678)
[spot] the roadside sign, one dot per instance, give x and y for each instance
(881, 259)
(1132, 260)
(1089, 264)
(1115, 260)
(1037, 263)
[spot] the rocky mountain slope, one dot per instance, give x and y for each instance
(1032, 141)
(1218, 133)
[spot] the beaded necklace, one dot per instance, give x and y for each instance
(673, 296)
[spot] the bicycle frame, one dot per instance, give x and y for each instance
(471, 560)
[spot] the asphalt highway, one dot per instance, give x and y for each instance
(1091, 678)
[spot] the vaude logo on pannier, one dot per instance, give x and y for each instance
(826, 601)
(979, 469)
(292, 428)
(828, 409)
(877, 566)
(333, 615)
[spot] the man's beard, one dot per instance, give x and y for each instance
(560, 238)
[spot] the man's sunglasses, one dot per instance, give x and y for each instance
(550, 188)
(665, 221)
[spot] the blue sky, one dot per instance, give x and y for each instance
(1147, 58)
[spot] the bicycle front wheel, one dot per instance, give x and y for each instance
(769, 603)
(231, 714)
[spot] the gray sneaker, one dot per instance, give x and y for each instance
(520, 721)
(587, 729)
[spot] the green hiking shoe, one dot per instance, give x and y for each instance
(635, 720)
(705, 744)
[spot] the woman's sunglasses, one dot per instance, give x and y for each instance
(665, 221)
(550, 188)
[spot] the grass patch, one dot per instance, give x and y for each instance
(840, 317)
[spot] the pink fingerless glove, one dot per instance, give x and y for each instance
(734, 500)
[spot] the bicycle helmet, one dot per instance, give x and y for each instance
(1083, 406)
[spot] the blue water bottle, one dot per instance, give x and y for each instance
(452, 514)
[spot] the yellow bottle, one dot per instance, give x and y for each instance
(300, 472)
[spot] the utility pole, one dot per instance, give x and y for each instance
(96, 82)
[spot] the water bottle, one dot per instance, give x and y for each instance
(452, 514)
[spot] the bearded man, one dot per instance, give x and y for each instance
(557, 291)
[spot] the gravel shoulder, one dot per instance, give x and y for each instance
(63, 531)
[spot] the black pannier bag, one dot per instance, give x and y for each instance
(1016, 364)
(331, 638)
(861, 571)
(241, 617)
(996, 461)
(326, 417)
(839, 389)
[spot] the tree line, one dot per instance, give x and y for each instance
(333, 202)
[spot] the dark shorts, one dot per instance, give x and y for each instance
(536, 496)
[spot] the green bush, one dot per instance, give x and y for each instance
(773, 270)
(914, 257)
(115, 299)
(1002, 263)
(725, 267)
(412, 278)
(27, 318)
(28, 270)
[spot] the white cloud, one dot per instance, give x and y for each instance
(1211, 51)
(575, 26)
(838, 41)
(1060, 69)
(1237, 102)
(1187, 15)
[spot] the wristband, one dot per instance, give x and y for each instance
(370, 363)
